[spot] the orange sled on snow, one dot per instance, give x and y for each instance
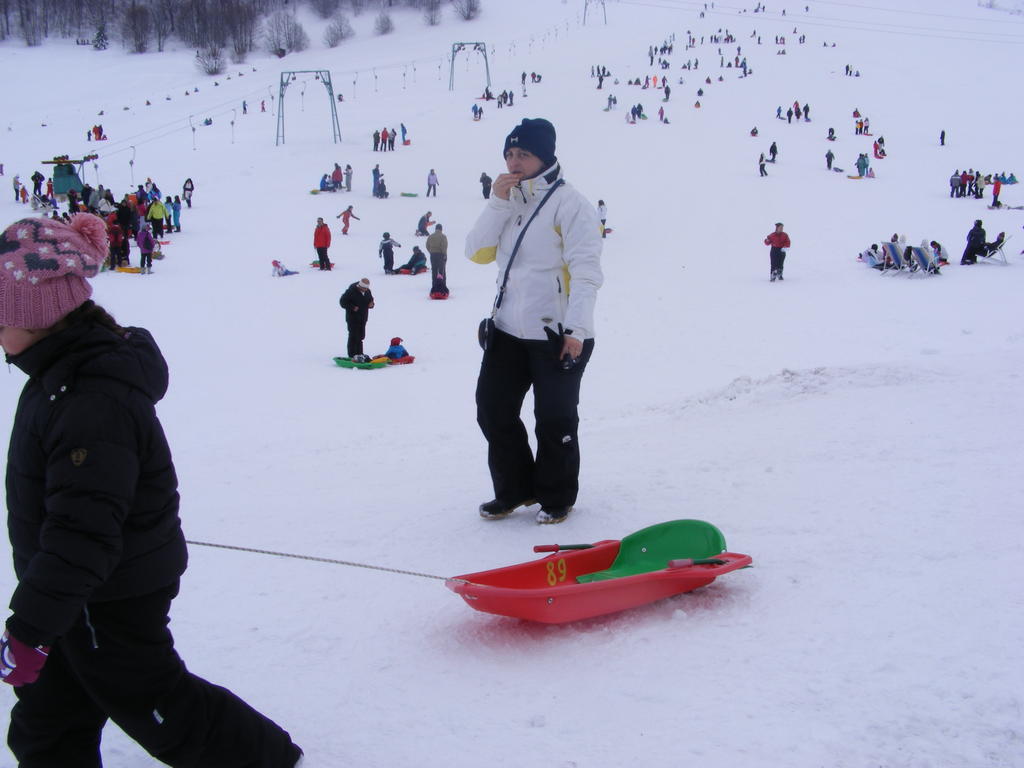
(580, 581)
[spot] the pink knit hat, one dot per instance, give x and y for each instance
(43, 266)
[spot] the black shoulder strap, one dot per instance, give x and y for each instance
(519, 241)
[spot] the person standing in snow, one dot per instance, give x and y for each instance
(773, 150)
(829, 157)
(779, 241)
(93, 519)
(376, 140)
(357, 301)
(348, 177)
(485, 182)
(760, 165)
(602, 214)
(186, 191)
(540, 333)
(437, 247)
(376, 180)
(386, 251)
(431, 183)
(975, 244)
(391, 139)
(321, 242)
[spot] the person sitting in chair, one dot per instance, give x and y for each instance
(989, 248)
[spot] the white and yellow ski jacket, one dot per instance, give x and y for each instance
(557, 271)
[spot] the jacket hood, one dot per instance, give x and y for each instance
(92, 351)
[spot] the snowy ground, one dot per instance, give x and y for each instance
(857, 434)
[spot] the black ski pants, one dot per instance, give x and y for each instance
(778, 259)
(510, 367)
(118, 662)
(322, 258)
(439, 266)
(356, 334)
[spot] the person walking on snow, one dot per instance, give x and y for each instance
(346, 217)
(321, 242)
(760, 165)
(95, 530)
(485, 182)
(779, 241)
(387, 252)
(431, 183)
(773, 150)
(829, 157)
(357, 301)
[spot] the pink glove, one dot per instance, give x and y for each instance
(19, 663)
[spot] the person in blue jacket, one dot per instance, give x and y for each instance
(396, 350)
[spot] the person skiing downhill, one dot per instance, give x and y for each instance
(779, 241)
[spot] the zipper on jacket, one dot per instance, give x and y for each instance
(92, 629)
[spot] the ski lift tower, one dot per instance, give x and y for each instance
(586, 6)
(289, 77)
(480, 48)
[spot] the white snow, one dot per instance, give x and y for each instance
(859, 435)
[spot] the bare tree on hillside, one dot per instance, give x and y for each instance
(242, 22)
(467, 9)
(432, 12)
(337, 31)
(325, 8)
(137, 28)
(383, 24)
(30, 22)
(283, 33)
(357, 6)
(210, 61)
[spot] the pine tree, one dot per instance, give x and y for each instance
(99, 42)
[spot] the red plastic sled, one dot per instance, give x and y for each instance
(595, 579)
(402, 360)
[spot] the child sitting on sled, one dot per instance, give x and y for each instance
(396, 350)
(280, 270)
(417, 263)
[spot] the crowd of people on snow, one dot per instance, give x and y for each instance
(143, 216)
(930, 256)
(972, 184)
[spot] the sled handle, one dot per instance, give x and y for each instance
(559, 547)
(686, 562)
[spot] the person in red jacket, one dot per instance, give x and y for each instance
(321, 242)
(997, 187)
(779, 241)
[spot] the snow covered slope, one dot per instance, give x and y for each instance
(857, 434)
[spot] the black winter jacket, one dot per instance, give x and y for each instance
(356, 304)
(92, 496)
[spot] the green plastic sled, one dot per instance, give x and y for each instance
(652, 548)
(347, 362)
(410, 194)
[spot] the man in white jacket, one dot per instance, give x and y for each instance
(546, 239)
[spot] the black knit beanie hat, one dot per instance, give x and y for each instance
(536, 136)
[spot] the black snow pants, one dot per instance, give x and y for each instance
(509, 368)
(778, 259)
(118, 662)
(356, 334)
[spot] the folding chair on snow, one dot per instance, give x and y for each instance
(894, 261)
(996, 254)
(925, 260)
